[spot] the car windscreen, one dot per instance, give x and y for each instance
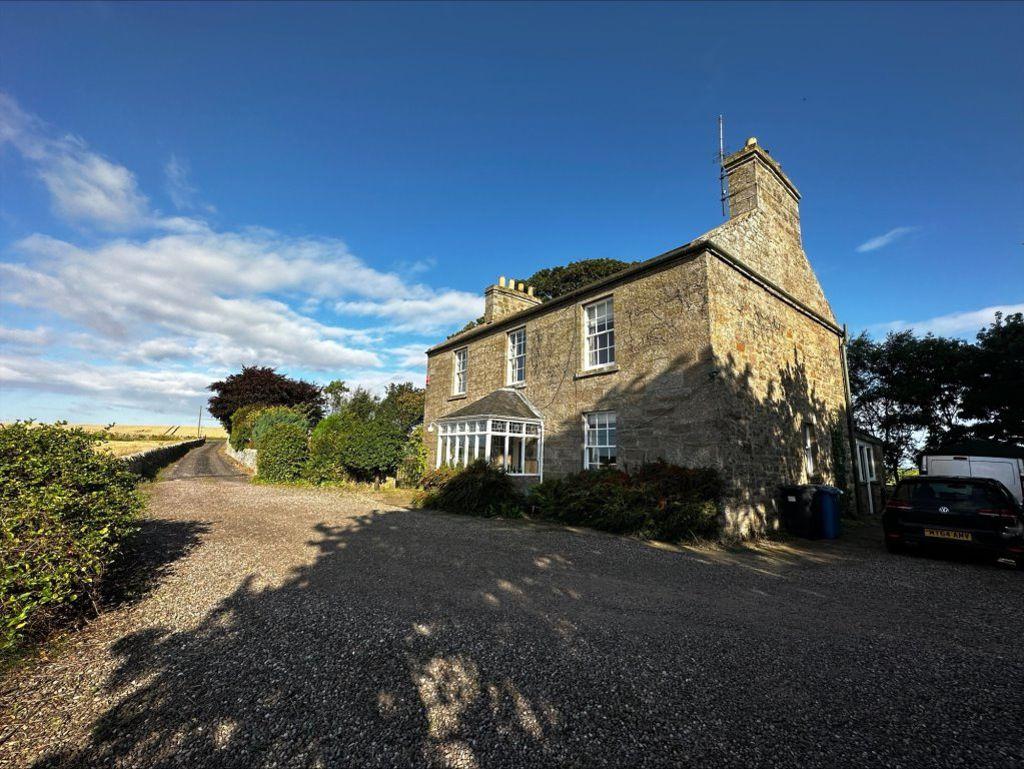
(958, 496)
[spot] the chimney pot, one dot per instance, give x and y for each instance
(752, 141)
(501, 281)
(529, 290)
(522, 287)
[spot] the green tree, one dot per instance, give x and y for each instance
(552, 282)
(336, 394)
(404, 404)
(995, 391)
(372, 448)
(256, 384)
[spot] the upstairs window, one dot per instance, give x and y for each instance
(459, 379)
(600, 440)
(517, 356)
(600, 332)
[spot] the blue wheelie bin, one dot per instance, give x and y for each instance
(826, 508)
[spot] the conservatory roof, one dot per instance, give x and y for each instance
(506, 402)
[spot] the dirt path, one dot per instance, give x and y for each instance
(306, 628)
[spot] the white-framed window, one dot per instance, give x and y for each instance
(866, 463)
(517, 356)
(599, 332)
(810, 445)
(600, 440)
(461, 359)
(513, 445)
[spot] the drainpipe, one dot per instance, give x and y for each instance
(849, 420)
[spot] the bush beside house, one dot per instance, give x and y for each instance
(66, 511)
(242, 422)
(657, 500)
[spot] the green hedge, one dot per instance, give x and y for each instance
(658, 500)
(242, 422)
(66, 509)
(326, 447)
(269, 418)
(476, 490)
(282, 452)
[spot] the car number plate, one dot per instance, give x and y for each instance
(960, 536)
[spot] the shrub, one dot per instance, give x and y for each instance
(326, 446)
(658, 500)
(477, 490)
(372, 447)
(66, 509)
(269, 418)
(242, 422)
(282, 452)
(414, 458)
(436, 478)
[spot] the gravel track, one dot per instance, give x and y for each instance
(306, 628)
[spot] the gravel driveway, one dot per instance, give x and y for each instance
(303, 628)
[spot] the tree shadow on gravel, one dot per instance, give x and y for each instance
(147, 557)
(414, 639)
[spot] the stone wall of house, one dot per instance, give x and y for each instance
(777, 369)
(763, 230)
(660, 387)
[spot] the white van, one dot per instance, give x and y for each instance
(979, 459)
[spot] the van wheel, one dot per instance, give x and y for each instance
(895, 546)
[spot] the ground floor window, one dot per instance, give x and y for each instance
(513, 445)
(600, 440)
(866, 462)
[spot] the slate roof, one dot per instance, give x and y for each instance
(505, 402)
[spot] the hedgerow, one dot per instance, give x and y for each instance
(271, 417)
(281, 452)
(66, 510)
(242, 422)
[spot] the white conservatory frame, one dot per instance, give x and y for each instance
(461, 440)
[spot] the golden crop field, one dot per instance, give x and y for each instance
(158, 433)
(124, 448)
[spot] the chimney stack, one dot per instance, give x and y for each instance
(501, 299)
(757, 182)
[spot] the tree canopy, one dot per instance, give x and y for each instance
(261, 384)
(552, 282)
(914, 392)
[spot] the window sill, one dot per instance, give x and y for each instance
(516, 385)
(598, 371)
(461, 397)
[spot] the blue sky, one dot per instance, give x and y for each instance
(328, 188)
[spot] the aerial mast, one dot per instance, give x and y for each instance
(722, 181)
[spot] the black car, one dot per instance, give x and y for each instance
(969, 513)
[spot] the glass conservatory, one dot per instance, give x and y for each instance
(513, 444)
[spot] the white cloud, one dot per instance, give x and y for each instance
(966, 323)
(424, 314)
(117, 382)
(83, 185)
(177, 182)
(167, 303)
(25, 337)
(881, 241)
(410, 355)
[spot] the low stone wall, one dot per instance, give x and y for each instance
(147, 462)
(244, 457)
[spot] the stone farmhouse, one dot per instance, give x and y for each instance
(722, 352)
